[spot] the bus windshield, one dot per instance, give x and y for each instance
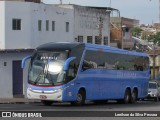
(46, 68)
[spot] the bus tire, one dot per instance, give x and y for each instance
(134, 96)
(142, 99)
(81, 97)
(47, 103)
(127, 96)
(156, 99)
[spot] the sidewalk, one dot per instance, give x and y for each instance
(17, 101)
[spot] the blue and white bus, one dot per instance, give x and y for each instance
(76, 72)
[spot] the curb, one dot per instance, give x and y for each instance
(18, 102)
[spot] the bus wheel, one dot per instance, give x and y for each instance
(156, 99)
(127, 96)
(81, 96)
(134, 96)
(47, 103)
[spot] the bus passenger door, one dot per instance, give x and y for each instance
(71, 74)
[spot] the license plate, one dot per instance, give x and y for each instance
(43, 97)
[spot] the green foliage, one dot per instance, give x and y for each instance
(155, 38)
(147, 37)
(136, 31)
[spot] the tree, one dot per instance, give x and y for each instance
(136, 31)
(155, 38)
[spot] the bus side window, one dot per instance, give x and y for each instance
(88, 65)
(85, 65)
(140, 68)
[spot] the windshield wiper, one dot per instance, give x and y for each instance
(45, 73)
(38, 77)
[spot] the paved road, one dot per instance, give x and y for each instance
(110, 106)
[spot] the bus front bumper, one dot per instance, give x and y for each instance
(55, 95)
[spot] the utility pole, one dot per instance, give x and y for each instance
(100, 26)
(110, 3)
(154, 62)
(60, 1)
(159, 10)
(123, 28)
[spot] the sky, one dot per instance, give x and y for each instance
(147, 11)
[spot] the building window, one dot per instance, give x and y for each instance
(53, 25)
(89, 39)
(47, 25)
(39, 25)
(97, 40)
(67, 26)
(105, 40)
(80, 39)
(16, 24)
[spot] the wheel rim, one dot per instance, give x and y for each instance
(79, 98)
(134, 96)
(127, 97)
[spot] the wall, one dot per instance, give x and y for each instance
(30, 13)
(2, 24)
(83, 21)
(6, 78)
(51, 13)
(87, 22)
(123, 28)
(17, 39)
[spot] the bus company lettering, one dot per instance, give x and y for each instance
(49, 58)
(129, 74)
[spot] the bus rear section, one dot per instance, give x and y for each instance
(113, 74)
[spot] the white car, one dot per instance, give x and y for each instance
(153, 91)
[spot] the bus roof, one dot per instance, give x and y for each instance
(117, 50)
(58, 46)
(68, 46)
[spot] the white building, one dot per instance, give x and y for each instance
(31, 24)
(26, 25)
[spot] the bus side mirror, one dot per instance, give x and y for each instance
(67, 62)
(24, 61)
